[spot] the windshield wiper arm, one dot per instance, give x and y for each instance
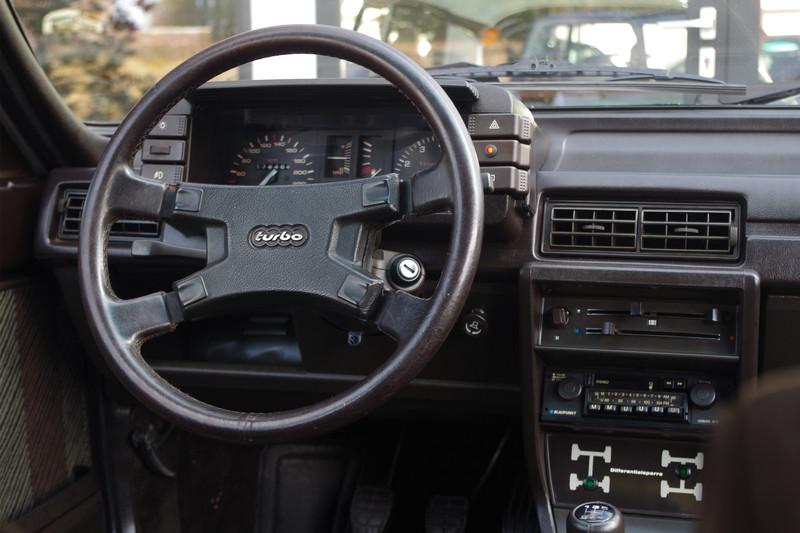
(764, 94)
(555, 69)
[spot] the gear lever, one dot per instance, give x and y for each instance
(595, 517)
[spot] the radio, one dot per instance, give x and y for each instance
(596, 396)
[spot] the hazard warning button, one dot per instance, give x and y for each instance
(500, 126)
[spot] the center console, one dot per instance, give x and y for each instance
(627, 377)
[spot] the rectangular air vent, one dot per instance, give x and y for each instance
(593, 228)
(642, 229)
(71, 210)
(688, 230)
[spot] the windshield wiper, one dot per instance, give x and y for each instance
(560, 69)
(765, 94)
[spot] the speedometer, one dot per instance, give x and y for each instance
(271, 159)
(418, 157)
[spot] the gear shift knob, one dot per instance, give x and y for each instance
(595, 517)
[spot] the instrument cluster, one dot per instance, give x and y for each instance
(268, 148)
(286, 158)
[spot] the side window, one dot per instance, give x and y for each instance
(102, 55)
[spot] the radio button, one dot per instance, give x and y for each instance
(626, 409)
(610, 408)
(642, 409)
(657, 410)
(675, 411)
(593, 408)
(680, 384)
(669, 384)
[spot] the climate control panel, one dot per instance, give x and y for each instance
(666, 327)
(618, 397)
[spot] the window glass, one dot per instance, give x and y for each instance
(102, 55)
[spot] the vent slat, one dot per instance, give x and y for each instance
(593, 228)
(690, 231)
(650, 230)
(69, 226)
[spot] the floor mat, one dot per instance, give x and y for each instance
(44, 442)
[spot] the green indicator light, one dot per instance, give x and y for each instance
(683, 472)
(589, 484)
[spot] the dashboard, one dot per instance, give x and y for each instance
(274, 146)
(645, 270)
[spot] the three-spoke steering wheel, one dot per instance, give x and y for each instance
(303, 241)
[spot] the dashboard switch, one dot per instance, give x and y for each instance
(506, 180)
(475, 323)
(167, 173)
(171, 126)
(158, 150)
(500, 126)
(503, 153)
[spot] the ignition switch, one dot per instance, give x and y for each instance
(406, 272)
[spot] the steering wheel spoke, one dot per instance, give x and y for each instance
(430, 192)
(400, 314)
(131, 195)
(138, 319)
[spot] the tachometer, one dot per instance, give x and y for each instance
(418, 157)
(274, 158)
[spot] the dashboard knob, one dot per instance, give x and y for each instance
(475, 323)
(569, 389)
(406, 271)
(703, 395)
(559, 317)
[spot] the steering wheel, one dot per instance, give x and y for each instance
(268, 243)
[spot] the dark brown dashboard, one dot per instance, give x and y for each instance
(679, 230)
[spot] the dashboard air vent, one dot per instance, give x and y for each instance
(71, 211)
(688, 230)
(646, 229)
(593, 228)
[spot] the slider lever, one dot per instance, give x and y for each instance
(609, 328)
(714, 315)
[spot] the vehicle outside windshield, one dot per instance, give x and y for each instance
(102, 55)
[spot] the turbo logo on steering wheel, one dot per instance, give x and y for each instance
(272, 235)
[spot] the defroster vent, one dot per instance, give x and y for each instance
(71, 211)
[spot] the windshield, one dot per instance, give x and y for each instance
(102, 55)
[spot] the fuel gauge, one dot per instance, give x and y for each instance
(339, 156)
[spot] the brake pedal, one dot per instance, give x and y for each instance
(446, 514)
(370, 510)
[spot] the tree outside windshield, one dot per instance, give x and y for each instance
(102, 55)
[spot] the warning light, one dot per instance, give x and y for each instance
(731, 338)
(490, 150)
